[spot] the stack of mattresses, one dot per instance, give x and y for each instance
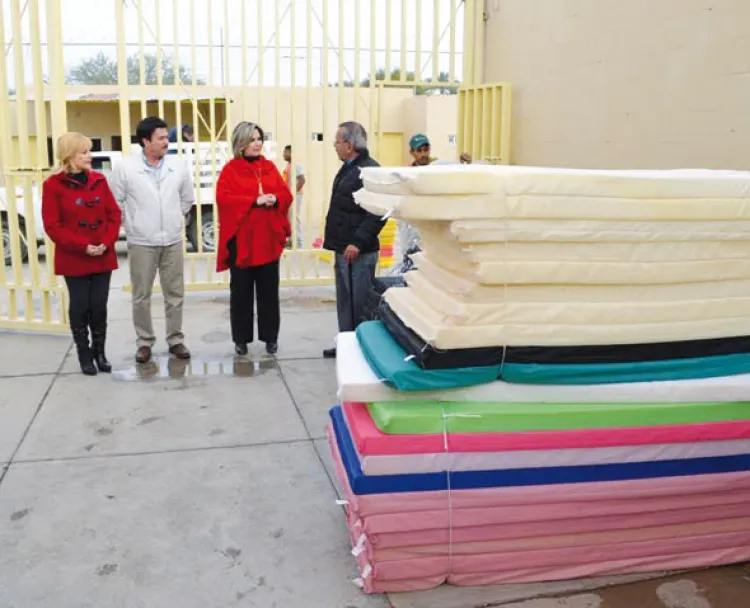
(560, 390)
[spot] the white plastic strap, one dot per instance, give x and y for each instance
(342, 503)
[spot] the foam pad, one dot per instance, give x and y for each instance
(437, 330)
(358, 382)
(428, 357)
(364, 484)
(668, 186)
(473, 292)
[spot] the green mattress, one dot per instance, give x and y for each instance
(423, 417)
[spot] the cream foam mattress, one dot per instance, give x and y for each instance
(455, 311)
(550, 206)
(584, 231)
(518, 251)
(591, 272)
(441, 332)
(516, 180)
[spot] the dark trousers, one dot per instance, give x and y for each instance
(88, 297)
(245, 286)
(356, 297)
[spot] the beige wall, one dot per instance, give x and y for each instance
(610, 83)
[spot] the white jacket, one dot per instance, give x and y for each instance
(153, 214)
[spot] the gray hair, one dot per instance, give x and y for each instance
(243, 135)
(355, 134)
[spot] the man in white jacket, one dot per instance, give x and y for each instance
(156, 193)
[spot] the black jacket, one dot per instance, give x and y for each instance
(347, 223)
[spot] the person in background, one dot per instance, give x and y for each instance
(187, 134)
(253, 204)
(82, 219)
(299, 190)
(419, 148)
(156, 194)
(351, 232)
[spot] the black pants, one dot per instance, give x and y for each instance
(245, 286)
(88, 301)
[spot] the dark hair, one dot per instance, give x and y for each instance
(187, 129)
(288, 147)
(146, 128)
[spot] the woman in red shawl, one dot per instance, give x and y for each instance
(253, 204)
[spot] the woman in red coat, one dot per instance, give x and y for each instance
(83, 219)
(253, 204)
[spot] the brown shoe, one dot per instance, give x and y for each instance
(143, 355)
(180, 351)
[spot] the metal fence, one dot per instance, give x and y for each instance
(296, 67)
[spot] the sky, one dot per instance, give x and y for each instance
(89, 27)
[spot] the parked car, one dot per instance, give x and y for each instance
(199, 155)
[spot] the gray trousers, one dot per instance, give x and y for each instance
(356, 297)
(144, 263)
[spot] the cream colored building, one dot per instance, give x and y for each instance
(607, 83)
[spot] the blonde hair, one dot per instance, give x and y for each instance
(243, 135)
(68, 145)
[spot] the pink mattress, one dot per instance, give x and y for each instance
(369, 440)
(512, 535)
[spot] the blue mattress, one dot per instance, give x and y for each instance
(398, 369)
(362, 484)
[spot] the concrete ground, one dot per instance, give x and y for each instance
(208, 484)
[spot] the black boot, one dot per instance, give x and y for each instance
(85, 358)
(98, 340)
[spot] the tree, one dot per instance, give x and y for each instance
(441, 89)
(101, 69)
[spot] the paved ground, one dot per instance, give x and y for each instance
(208, 485)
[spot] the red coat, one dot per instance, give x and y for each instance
(77, 215)
(261, 231)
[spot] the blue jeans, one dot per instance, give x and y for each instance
(356, 297)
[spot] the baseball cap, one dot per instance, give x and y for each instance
(418, 140)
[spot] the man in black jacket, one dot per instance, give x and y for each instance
(351, 232)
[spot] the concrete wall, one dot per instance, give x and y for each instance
(627, 84)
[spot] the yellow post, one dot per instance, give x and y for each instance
(122, 78)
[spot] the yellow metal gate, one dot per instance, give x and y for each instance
(296, 67)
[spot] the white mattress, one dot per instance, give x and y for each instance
(435, 329)
(399, 464)
(499, 206)
(515, 180)
(586, 231)
(592, 272)
(357, 382)
(459, 312)
(470, 291)
(629, 253)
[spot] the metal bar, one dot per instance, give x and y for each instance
(404, 21)
(418, 43)
(310, 121)
(159, 60)
(40, 114)
(388, 66)
(22, 117)
(357, 57)
(142, 60)
(122, 77)
(176, 75)
(373, 70)
(12, 38)
(506, 124)
(341, 59)
(327, 128)
(196, 130)
(435, 40)
(452, 52)
(294, 141)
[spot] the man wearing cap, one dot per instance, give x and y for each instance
(419, 148)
